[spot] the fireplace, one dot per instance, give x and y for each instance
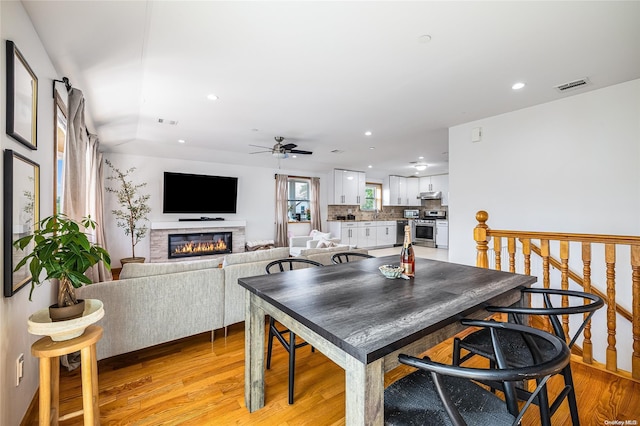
(199, 244)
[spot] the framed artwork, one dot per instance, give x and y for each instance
(22, 98)
(21, 215)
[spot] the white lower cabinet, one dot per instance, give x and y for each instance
(367, 234)
(370, 234)
(386, 233)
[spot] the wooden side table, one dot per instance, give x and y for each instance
(49, 353)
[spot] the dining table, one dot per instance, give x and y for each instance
(362, 320)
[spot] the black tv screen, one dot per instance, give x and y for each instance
(188, 193)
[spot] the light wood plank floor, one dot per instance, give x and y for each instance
(198, 382)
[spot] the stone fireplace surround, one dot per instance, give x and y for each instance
(160, 231)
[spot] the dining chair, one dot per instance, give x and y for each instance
(479, 342)
(441, 394)
(290, 345)
(345, 257)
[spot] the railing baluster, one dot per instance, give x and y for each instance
(610, 259)
(480, 235)
(564, 281)
(526, 251)
(544, 249)
(587, 347)
(497, 249)
(511, 246)
(635, 278)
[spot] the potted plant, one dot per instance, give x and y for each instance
(134, 209)
(63, 250)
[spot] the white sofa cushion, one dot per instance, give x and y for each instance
(137, 270)
(255, 256)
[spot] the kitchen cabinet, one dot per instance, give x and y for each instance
(442, 233)
(402, 191)
(367, 232)
(348, 187)
(397, 190)
(413, 191)
(386, 233)
(436, 183)
(347, 231)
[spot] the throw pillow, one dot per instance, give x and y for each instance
(321, 236)
(326, 244)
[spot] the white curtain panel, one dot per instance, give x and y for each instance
(282, 220)
(316, 222)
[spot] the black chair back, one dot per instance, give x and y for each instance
(346, 257)
(289, 264)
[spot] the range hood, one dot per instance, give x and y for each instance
(435, 195)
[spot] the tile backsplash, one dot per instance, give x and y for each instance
(387, 212)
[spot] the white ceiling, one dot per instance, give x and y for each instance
(322, 73)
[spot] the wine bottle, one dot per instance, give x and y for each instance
(407, 256)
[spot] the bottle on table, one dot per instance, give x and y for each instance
(407, 256)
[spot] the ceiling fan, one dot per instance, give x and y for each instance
(280, 150)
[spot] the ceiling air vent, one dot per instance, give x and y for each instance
(169, 122)
(337, 151)
(572, 85)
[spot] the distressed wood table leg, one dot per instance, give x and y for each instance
(364, 392)
(254, 355)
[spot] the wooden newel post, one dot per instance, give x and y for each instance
(482, 243)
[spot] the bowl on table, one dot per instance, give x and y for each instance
(391, 271)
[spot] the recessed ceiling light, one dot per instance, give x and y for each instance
(370, 166)
(212, 97)
(425, 38)
(420, 167)
(517, 86)
(368, 133)
(294, 156)
(372, 147)
(181, 141)
(420, 158)
(417, 173)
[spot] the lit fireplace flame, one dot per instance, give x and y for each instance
(194, 247)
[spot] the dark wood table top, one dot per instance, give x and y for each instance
(369, 316)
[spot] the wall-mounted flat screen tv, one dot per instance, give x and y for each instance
(189, 193)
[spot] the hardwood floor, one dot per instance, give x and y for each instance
(198, 382)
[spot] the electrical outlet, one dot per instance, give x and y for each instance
(19, 369)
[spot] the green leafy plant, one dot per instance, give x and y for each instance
(64, 251)
(134, 209)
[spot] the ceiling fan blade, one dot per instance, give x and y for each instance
(298, 151)
(260, 152)
(289, 146)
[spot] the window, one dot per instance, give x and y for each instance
(372, 197)
(299, 196)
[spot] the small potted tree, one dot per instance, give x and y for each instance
(64, 251)
(132, 214)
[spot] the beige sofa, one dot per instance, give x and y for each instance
(154, 303)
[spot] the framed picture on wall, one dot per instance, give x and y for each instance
(21, 215)
(22, 98)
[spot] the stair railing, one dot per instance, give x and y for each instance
(521, 243)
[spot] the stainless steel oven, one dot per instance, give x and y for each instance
(425, 232)
(425, 228)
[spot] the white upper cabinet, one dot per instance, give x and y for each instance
(413, 191)
(434, 184)
(402, 191)
(348, 187)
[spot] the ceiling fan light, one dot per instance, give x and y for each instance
(279, 154)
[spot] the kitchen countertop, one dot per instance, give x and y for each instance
(365, 220)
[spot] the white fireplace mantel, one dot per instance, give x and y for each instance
(190, 224)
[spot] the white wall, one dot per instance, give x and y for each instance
(14, 311)
(256, 197)
(572, 165)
